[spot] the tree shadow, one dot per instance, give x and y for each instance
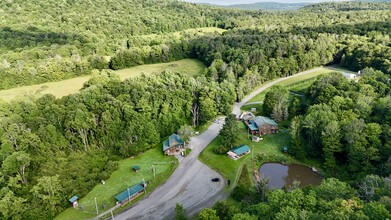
(12, 39)
(383, 27)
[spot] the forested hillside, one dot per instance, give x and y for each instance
(348, 6)
(50, 40)
(269, 6)
(53, 148)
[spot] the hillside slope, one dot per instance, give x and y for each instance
(43, 41)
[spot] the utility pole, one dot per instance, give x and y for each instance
(145, 187)
(128, 194)
(154, 171)
(112, 216)
(252, 153)
(96, 206)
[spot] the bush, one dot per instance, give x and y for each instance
(220, 150)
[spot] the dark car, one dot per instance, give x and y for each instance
(215, 179)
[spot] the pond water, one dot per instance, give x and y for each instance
(280, 175)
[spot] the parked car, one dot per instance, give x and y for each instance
(216, 179)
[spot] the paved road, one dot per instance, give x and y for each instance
(190, 184)
(238, 105)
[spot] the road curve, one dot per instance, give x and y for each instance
(190, 184)
(238, 105)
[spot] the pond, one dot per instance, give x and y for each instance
(280, 175)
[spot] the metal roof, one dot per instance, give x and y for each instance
(166, 146)
(74, 198)
(129, 192)
(241, 149)
(252, 126)
(261, 120)
(173, 140)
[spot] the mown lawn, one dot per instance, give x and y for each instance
(269, 149)
(191, 67)
(62, 88)
(121, 179)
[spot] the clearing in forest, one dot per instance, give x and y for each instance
(62, 88)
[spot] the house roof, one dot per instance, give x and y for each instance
(248, 117)
(261, 120)
(166, 146)
(252, 126)
(241, 149)
(172, 141)
(74, 198)
(132, 190)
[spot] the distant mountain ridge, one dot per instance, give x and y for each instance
(289, 6)
(269, 6)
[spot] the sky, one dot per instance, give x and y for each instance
(234, 2)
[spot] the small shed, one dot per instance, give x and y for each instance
(136, 168)
(285, 149)
(73, 201)
(238, 152)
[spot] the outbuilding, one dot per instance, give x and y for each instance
(129, 194)
(73, 201)
(238, 152)
(136, 168)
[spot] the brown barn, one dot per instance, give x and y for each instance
(262, 125)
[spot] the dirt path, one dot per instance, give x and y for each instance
(190, 184)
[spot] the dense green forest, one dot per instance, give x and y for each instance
(77, 139)
(347, 124)
(49, 40)
(268, 6)
(333, 199)
(348, 6)
(67, 40)
(53, 148)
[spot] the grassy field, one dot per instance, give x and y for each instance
(62, 88)
(121, 179)
(269, 149)
(296, 81)
(179, 33)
